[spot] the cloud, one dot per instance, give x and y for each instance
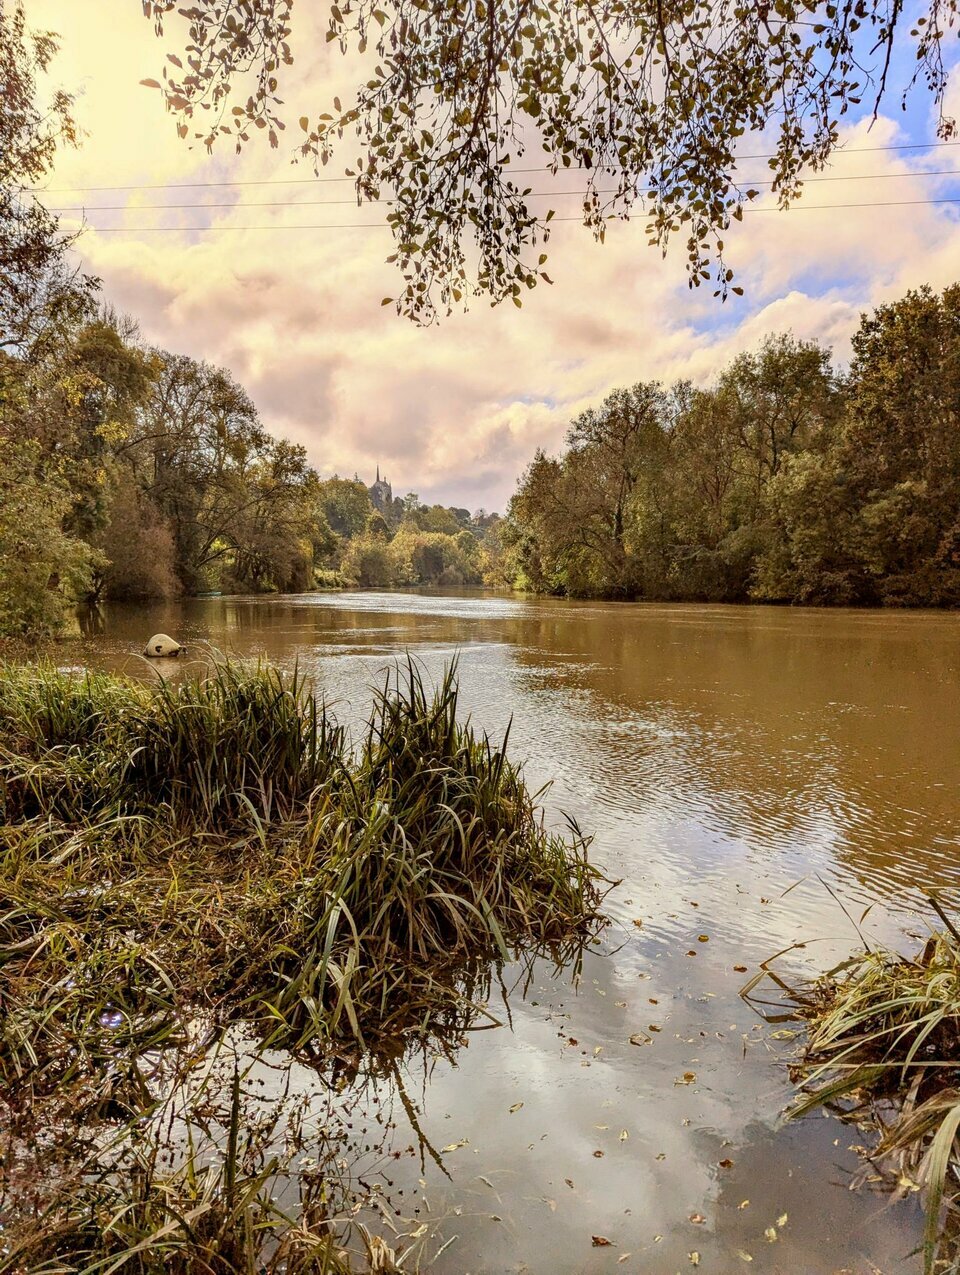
(454, 411)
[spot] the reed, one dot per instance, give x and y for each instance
(181, 861)
(884, 1050)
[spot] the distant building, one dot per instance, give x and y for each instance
(381, 493)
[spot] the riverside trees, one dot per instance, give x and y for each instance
(785, 480)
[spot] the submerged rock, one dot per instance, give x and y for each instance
(160, 645)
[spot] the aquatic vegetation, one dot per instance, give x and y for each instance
(884, 1049)
(183, 861)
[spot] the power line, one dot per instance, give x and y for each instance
(379, 225)
(534, 194)
(292, 181)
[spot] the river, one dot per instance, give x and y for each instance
(744, 770)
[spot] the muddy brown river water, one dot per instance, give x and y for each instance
(732, 763)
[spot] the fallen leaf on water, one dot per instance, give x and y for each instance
(697, 1218)
(599, 1049)
(455, 1146)
(744, 1257)
(726, 1164)
(741, 969)
(624, 1258)
(638, 923)
(744, 1204)
(572, 1040)
(657, 1239)
(782, 1220)
(421, 1230)
(600, 1241)
(624, 1135)
(569, 1182)
(620, 1004)
(703, 938)
(687, 1078)
(694, 1258)
(654, 1028)
(601, 1126)
(516, 1107)
(598, 1155)
(661, 1155)
(551, 1204)
(640, 1038)
(770, 1235)
(783, 1034)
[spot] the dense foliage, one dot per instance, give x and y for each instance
(458, 107)
(784, 481)
(131, 472)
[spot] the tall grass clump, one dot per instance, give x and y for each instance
(884, 1050)
(180, 863)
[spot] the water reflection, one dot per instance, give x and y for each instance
(724, 756)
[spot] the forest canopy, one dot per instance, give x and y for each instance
(459, 105)
(786, 480)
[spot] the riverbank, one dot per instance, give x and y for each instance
(179, 863)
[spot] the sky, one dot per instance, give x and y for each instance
(456, 410)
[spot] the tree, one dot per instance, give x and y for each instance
(901, 446)
(345, 504)
(44, 569)
(649, 100)
(40, 289)
(138, 546)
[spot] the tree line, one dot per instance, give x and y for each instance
(786, 480)
(128, 471)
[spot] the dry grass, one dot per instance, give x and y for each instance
(884, 1049)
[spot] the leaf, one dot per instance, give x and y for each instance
(150, 84)
(726, 1164)
(782, 1220)
(387, 301)
(600, 1241)
(770, 1235)
(455, 1146)
(598, 1155)
(697, 1218)
(938, 1162)
(305, 123)
(516, 1107)
(694, 1258)
(744, 1257)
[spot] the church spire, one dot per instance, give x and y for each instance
(378, 473)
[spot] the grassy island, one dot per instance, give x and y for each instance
(182, 862)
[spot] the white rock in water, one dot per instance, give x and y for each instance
(160, 645)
